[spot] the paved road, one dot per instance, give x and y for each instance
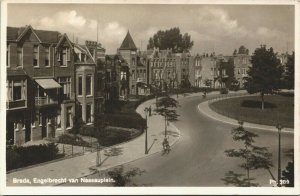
(198, 158)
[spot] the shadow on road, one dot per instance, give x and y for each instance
(151, 145)
(114, 151)
(173, 133)
(238, 180)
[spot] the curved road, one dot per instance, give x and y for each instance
(198, 158)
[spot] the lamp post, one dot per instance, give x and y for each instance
(98, 155)
(241, 123)
(146, 132)
(279, 127)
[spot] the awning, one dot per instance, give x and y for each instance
(48, 83)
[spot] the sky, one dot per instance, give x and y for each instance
(213, 28)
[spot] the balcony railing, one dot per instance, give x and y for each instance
(43, 101)
(15, 104)
(140, 80)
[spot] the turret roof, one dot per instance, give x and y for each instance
(128, 43)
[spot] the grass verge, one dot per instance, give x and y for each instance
(278, 109)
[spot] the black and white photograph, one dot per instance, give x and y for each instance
(166, 95)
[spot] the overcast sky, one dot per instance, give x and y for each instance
(219, 28)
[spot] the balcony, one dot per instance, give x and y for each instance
(141, 80)
(45, 101)
(16, 104)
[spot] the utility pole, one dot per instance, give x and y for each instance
(279, 127)
(146, 131)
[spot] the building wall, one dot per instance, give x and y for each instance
(37, 118)
(241, 66)
(84, 99)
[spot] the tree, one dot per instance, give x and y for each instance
(254, 157)
(265, 74)
(288, 173)
(290, 71)
(165, 108)
(234, 52)
(171, 39)
(122, 178)
(242, 50)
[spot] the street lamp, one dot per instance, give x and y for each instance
(146, 110)
(98, 155)
(279, 127)
(241, 123)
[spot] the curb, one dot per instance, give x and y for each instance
(95, 169)
(246, 124)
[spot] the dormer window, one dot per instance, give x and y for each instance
(20, 56)
(82, 57)
(35, 55)
(64, 56)
(47, 56)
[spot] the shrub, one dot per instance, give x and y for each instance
(72, 139)
(133, 120)
(19, 156)
(224, 91)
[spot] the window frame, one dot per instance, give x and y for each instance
(38, 55)
(20, 61)
(80, 77)
(49, 57)
(91, 84)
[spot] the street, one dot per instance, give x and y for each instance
(198, 158)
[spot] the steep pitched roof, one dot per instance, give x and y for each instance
(128, 43)
(14, 33)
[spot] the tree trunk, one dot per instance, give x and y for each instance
(262, 101)
(165, 126)
(248, 176)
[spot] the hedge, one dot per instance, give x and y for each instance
(72, 140)
(19, 156)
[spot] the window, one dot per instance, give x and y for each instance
(224, 72)
(47, 56)
(82, 57)
(88, 85)
(35, 55)
(58, 121)
(123, 75)
(8, 55)
(65, 82)
(69, 117)
(239, 72)
(20, 56)
(64, 56)
(88, 113)
(80, 85)
(16, 90)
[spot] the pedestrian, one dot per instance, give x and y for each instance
(150, 110)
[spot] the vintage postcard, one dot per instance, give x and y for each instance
(149, 97)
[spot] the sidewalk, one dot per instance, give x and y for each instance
(84, 165)
(206, 110)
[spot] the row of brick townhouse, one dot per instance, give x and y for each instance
(47, 75)
(50, 79)
(216, 71)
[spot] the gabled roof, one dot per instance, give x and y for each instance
(62, 38)
(16, 33)
(128, 43)
(83, 49)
